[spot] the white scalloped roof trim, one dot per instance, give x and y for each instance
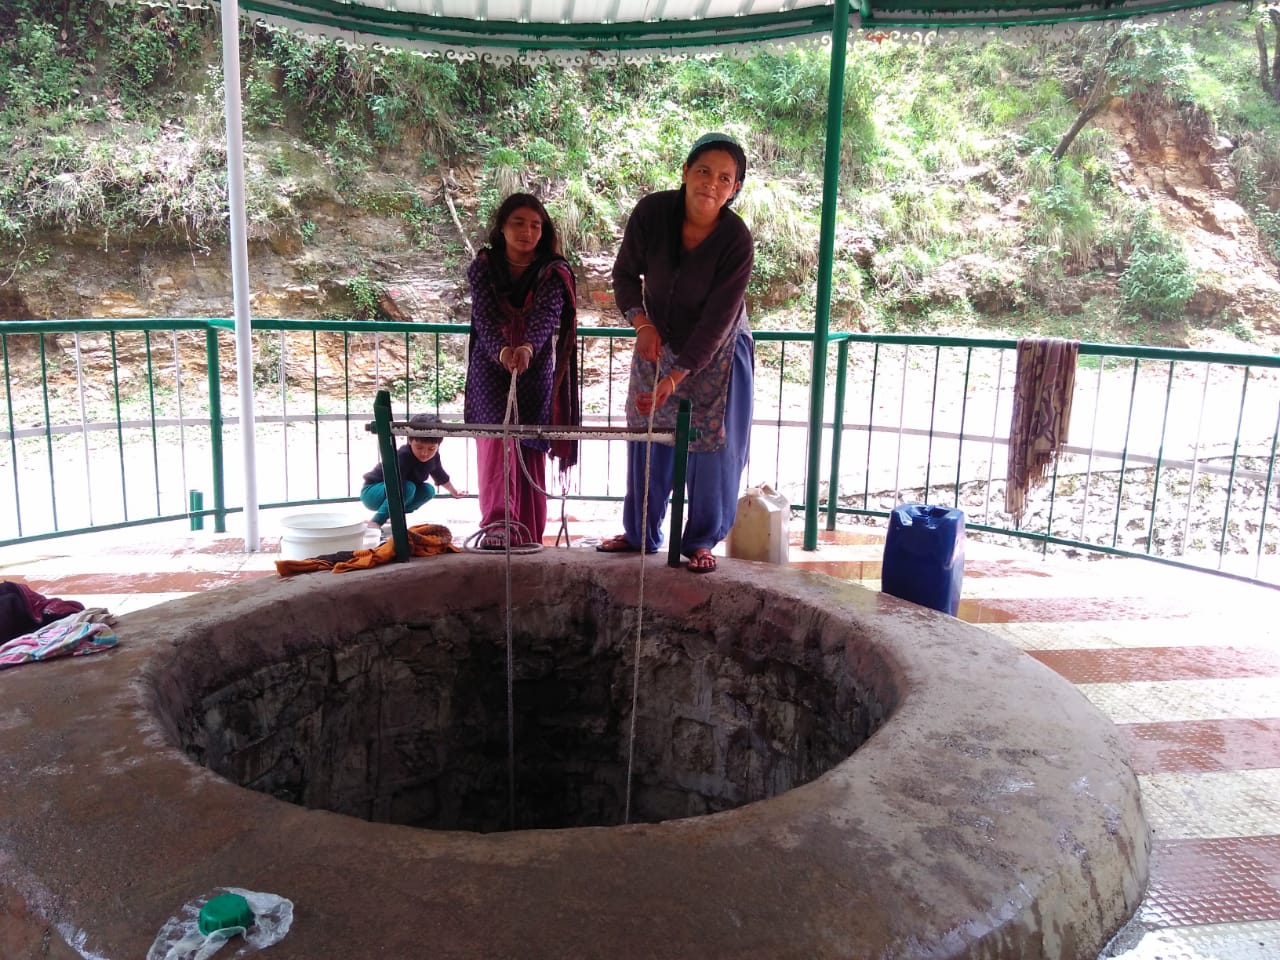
(925, 34)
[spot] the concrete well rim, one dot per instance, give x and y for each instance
(825, 870)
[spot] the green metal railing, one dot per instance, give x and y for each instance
(1171, 453)
(68, 384)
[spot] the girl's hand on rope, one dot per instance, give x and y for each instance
(661, 394)
(648, 341)
(516, 359)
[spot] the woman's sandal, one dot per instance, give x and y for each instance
(618, 544)
(494, 541)
(702, 561)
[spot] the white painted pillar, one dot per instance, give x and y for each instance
(240, 264)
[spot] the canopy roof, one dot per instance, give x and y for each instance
(582, 28)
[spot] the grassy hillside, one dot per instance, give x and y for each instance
(955, 213)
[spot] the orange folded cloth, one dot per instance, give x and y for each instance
(425, 540)
(287, 568)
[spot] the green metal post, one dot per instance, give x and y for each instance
(195, 508)
(837, 432)
(48, 431)
(151, 405)
(391, 474)
(115, 384)
(1155, 480)
(215, 429)
(678, 473)
(826, 253)
(13, 435)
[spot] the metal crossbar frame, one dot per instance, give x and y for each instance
(388, 429)
(527, 431)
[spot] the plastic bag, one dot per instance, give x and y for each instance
(180, 937)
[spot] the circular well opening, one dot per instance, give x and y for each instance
(405, 721)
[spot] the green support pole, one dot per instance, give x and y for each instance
(215, 430)
(826, 253)
(837, 432)
(391, 474)
(683, 436)
(195, 509)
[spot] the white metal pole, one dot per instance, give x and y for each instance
(240, 264)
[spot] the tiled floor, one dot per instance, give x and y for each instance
(1188, 665)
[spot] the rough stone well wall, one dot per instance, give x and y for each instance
(406, 721)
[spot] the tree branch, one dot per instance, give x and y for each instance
(1094, 102)
(17, 265)
(1264, 67)
(1274, 15)
(448, 200)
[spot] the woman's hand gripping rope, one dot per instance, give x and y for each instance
(649, 347)
(516, 359)
(648, 341)
(647, 403)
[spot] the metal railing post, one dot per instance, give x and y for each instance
(826, 254)
(13, 436)
(678, 473)
(391, 473)
(215, 430)
(195, 507)
(837, 432)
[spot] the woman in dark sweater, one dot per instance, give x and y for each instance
(680, 278)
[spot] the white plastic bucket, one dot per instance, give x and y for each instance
(309, 535)
(759, 529)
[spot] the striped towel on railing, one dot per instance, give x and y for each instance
(1043, 388)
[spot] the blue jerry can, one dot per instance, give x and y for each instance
(924, 556)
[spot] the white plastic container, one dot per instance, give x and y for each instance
(309, 535)
(759, 529)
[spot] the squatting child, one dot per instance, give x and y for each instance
(419, 461)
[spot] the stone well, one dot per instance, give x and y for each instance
(818, 771)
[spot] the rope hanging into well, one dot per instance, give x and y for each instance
(506, 509)
(511, 417)
(644, 552)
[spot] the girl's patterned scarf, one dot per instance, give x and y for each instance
(515, 296)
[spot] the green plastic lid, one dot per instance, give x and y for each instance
(223, 911)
